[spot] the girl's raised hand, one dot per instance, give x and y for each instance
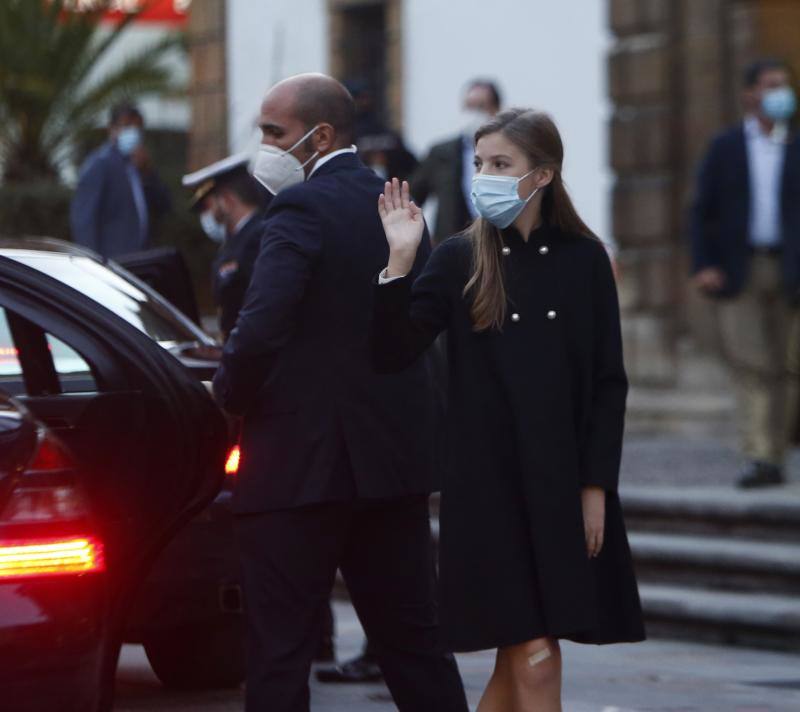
(402, 220)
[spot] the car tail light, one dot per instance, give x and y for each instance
(47, 557)
(232, 462)
(45, 522)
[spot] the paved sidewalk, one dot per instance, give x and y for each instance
(656, 676)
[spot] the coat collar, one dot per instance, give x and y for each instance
(538, 236)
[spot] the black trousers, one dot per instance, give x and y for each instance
(384, 550)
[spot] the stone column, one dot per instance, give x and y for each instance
(208, 94)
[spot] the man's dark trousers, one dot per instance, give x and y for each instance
(383, 549)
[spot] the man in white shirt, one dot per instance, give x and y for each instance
(745, 231)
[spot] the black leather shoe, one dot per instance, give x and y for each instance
(364, 668)
(760, 474)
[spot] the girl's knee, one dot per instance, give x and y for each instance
(536, 664)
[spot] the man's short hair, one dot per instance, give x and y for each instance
(327, 103)
(243, 185)
(124, 110)
(490, 86)
(755, 70)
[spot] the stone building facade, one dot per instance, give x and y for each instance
(675, 80)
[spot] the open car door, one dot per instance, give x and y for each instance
(149, 440)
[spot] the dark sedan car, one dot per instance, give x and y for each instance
(114, 372)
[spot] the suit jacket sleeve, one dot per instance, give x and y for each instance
(602, 450)
(290, 247)
(421, 180)
(85, 207)
(408, 314)
(705, 212)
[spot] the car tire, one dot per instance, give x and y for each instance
(205, 656)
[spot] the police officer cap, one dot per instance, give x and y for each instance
(203, 181)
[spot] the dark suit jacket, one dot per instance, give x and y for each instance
(720, 213)
(103, 214)
(297, 363)
(440, 174)
(233, 268)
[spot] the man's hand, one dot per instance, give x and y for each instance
(709, 280)
(593, 501)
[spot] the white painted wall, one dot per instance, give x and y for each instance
(268, 40)
(544, 54)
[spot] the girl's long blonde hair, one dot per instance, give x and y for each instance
(536, 135)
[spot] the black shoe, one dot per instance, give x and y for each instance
(760, 474)
(361, 669)
(325, 652)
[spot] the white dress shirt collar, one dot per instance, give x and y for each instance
(322, 161)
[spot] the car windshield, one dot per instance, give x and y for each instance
(113, 291)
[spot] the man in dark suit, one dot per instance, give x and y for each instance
(119, 195)
(336, 461)
(446, 173)
(745, 231)
(230, 205)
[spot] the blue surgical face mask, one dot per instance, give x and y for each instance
(128, 139)
(496, 198)
(779, 104)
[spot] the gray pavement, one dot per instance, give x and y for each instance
(656, 676)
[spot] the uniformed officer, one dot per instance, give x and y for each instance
(230, 204)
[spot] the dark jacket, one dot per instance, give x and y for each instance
(535, 412)
(440, 175)
(297, 363)
(720, 213)
(103, 213)
(233, 268)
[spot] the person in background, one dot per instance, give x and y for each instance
(745, 238)
(230, 205)
(446, 172)
(119, 197)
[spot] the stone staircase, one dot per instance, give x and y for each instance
(718, 564)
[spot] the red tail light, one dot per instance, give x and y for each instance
(232, 463)
(45, 503)
(48, 557)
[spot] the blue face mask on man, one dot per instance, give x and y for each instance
(496, 198)
(779, 104)
(128, 140)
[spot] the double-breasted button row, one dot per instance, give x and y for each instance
(543, 250)
(515, 317)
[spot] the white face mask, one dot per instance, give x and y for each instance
(472, 120)
(276, 169)
(212, 227)
(128, 140)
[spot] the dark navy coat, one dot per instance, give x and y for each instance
(297, 364)
(233, 268)
(535, 412)
(720, 213)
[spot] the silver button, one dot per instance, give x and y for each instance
(506, 251)
(544, 249)
(551, 314)
(515, 317)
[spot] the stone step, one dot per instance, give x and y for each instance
(741, 618)
(770, 514)
(680, 411)
(716, 563)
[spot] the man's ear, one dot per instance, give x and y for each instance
(324, 138)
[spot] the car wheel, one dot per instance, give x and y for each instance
(198, 657)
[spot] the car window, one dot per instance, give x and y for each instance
(74, 373)
(110, 289)
(10, 368)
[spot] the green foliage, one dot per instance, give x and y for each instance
(47, 100)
